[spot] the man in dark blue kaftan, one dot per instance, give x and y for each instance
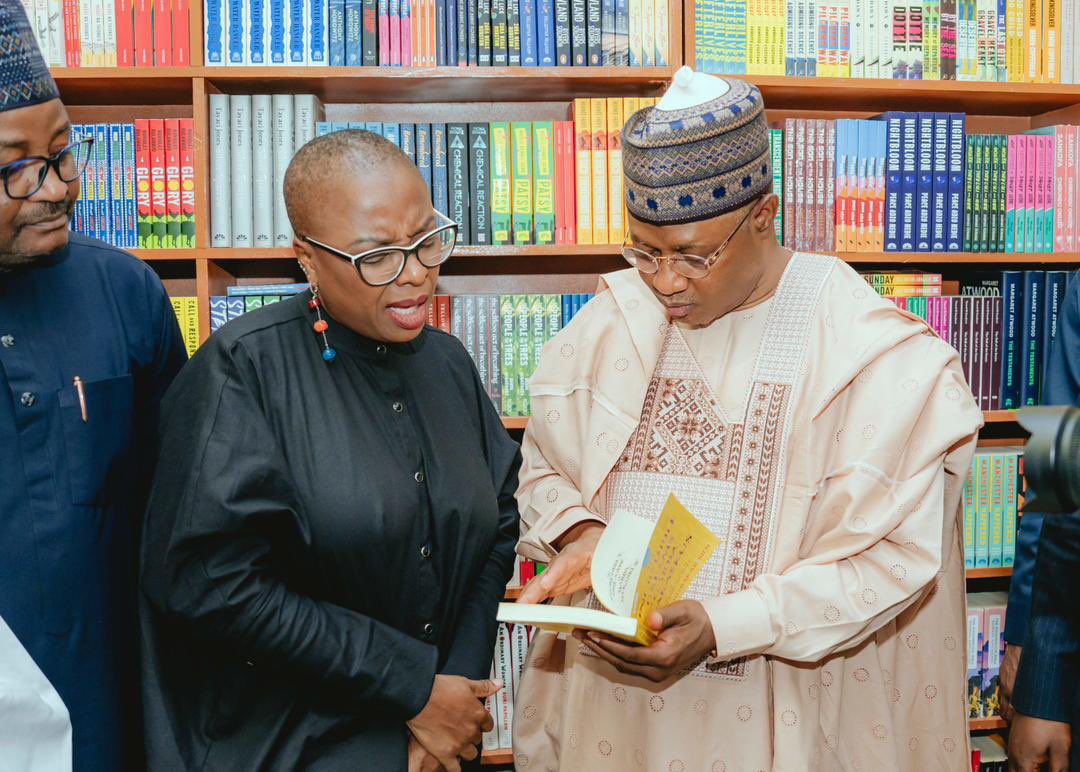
(88, 345)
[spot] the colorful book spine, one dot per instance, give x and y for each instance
(970, 517)
(599, 136)
(544, 195)
(894, 212)
(457, 138)
(440, 185)
(616, 223)
(584, 171)
(982, 503)
(508, 339)
(502, 211)
(171, 236)
(924, 185)
(522, 181)
(1031, 340)
(479, 182)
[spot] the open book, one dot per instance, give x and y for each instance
(638, 567)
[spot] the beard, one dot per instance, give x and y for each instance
(20, 251)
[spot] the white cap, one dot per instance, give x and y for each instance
(689, 89)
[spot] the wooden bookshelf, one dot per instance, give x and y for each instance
(988, 573)
(985, 724)
(496, 758)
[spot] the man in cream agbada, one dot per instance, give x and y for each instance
(821, 433)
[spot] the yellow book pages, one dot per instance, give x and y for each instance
(616, 223)
(598, 120)
(583, 141)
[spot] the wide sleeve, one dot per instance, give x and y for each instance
(1047, 682)
(1061, 387)
(474, 638)
(221, 508)
(876, 522)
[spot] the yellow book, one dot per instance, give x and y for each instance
(630, 106)
(639, 566)
(616, 222)
(1014, 40)
(598, 124)
(178, 311)
(1052, 42)
(502, 222)
(583, 140)
(1032, 54)
(522, 170)
(191, 324)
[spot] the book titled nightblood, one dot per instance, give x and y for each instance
(632, 575)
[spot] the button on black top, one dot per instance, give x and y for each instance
(380, 349)
(398, 407)
(419, 477)
(28, 398)
(425, 552)
(7, 341)
(429, 628)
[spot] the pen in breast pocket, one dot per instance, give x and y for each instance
(82, 397)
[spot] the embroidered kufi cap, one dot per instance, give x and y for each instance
(701, 152)
(24, 76)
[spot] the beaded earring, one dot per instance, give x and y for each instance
(320, 326)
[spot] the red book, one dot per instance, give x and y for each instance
(187, 183)
(172, 183)
(181, 33)
(406, 34)
(395, 34)
(431, 312)
(158, 198)
(72, 50)
(790, 212)
(144, 33)
(163, 43)
(976, 760)
(125, 34)
(384, 33)
(570, 175)
(560, 185)
(442, 318)
(142, 181)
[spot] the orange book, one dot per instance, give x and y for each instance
(584, 169)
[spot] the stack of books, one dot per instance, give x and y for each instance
(993, 495)
(511, 648)
(438, 33)
(187, 315)
(1014, 41)
(986, 647)
(242, 298)
(138, 188)
(112, 33)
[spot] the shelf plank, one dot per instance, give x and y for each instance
(499, 757)
(988, 573)
(986, 724)
(126, 85)
(512, 593)
(153, 255)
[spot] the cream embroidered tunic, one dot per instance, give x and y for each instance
(830, 460)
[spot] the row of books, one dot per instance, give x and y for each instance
(438, 33)
(252, 140)
(524, 571)
(504, 334)
(985, 649)
(187, 315)
(916, 182)
(241, 298)
(1003, 324)
(988, 754)
(1014, 41)
(511, 649)
(993, 496)
(138, 187)
(112, 33)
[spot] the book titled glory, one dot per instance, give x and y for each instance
(639, 566)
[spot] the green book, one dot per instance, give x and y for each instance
(251, 302)
(523, 353)
(1009, 526)
(268, 299)
(993, 239)
(982, 170)
(982, 503)
(776, 145)
(554, 317)
(969, 518)
(522, 171)
(1003, 186)
(544, 181)
(537, 333)
(969, 193)
(997, 509)
(501, 193)
(508, 346)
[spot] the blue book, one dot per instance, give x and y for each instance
(567, 309)
(939, 223)
(251, 290)
(130, 205)
(607, 33)
(322, 127)
(893, 182)
(77, 225)
(954, 229)
(527, 22)
(440, 33)
(1056, 283)
(236, 31)
(440, 183)
(294, 45)
(622, 33)
(219, 312)
(257, 31)
(116, 184)
(337, 126)
(104, 210)
(472, 28)
(909, 172)
(354, 43)
(462, 38)
(545, 32)
(234, 307)
(358, 126)
(392, 132)
(1031, 337)
(408, 140)
(924, 183)
(423, 153)
(451, 33)
(336, 16)
(276, 44)
(483, 33)
(214, 30)
(1002, 10)
(317, 15)
(374, 128)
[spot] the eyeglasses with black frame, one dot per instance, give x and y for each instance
(688, 266)
(24, 178)
(383, 265)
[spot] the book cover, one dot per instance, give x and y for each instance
(615, 120)
(544, 181)
(171, 236)
(262, 171)
(522, 181)
(939, 198)
(163, 45)
(258, 26)
(275, 41)
(578, 33)
(220, 172)
(969, 518)
(527, 22)
(1009, 526)
(568, 192)
(1031, 340)
(523, 352)
(607, 33)
(1011, 332)
(1054, 296)
(894, 211)
(318, 27)
(240, 159)
(924, 185)
(502, 211)
(563, 43)
(513, 34)
(622, 33)
(295, 32)
(507, 346)
(500, 54)
(440, 183)
(479, 170)
(599, 137)
(457, 138)
(982, 510)
(335, 16)
(353, 46)
(583, 170)
(423, 154)
(284, 141)
(185, 237)
(483, 32)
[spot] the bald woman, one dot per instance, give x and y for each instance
(324, 554)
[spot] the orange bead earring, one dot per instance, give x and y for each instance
(320, 326)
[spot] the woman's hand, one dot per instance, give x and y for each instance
(452, 723)
(420, 760)
(569, 571)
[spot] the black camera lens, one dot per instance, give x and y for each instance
(1052, 458)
